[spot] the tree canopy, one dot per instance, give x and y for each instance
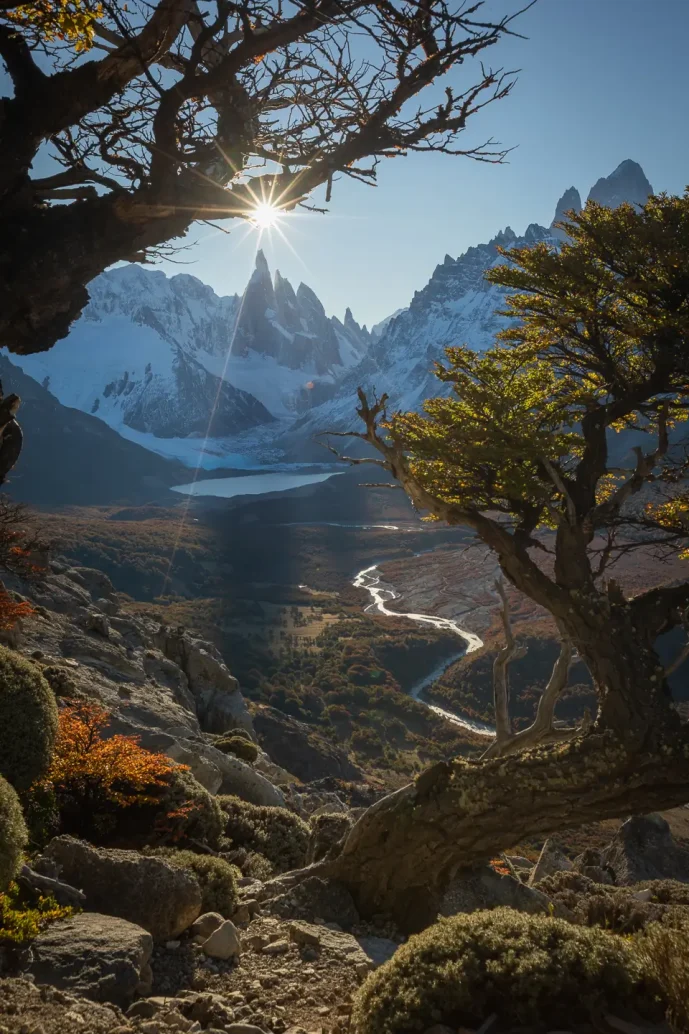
(128, 122)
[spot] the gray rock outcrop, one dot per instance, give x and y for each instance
(159, 897)
(103, 958)
(551, 860)
(644, 849)
(482, 887)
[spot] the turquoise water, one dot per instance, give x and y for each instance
(253, 484)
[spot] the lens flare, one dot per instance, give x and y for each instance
(265, 216)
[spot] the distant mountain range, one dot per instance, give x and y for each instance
(157, 356)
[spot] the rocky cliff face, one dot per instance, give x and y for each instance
(163, 685)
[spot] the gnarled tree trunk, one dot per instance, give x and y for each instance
(402, 853)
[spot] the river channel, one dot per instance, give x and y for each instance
(381, 593)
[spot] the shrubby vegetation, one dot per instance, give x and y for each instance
(532, 971)
(28, 721)
(186, 811)
(241, 747)
(664, 956)
(22, 919)
(278, 835)
(217, 878)
(112, 789)
(13, 833)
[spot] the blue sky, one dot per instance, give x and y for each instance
(600, 81)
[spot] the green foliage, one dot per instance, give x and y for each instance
(529, 970)
(45, 21)
(216, 877)
(618, 909)
(242, 748)
(21, 920)
(664, 954)
(277, 834)
(13, 834)
(187, 811)
(598, 340)
(28, 721)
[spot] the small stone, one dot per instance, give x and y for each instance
(276, 948)
(643, 895)
(223, 943)
(255, 940)
(205, 925)
(323, 1010)
(172, 945)
(304, 933)
(243, 1028)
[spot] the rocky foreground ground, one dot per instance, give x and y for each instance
(142, 955)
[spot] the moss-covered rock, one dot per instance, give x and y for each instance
(241, 747)
(277, 834)
(13, 835)
(28, 721)
(217, 878)
(530, 970)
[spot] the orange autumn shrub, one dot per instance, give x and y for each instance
(11, 611)
(94, 780)
(118, 769)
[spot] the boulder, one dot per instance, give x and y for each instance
(360, 952)
(296, 747)
(311, 899)
(163, 899)
(552, 859)
(482, 887)
(101, 957)
(644, 849)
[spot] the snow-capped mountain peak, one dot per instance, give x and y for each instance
(167, 356)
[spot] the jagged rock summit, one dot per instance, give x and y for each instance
(627, 183)
(169, 358)
(570, 200)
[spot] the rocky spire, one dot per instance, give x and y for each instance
(627, 183)
(571, 199)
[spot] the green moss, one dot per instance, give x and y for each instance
(242, 748)
(13, 834)
(529, 970)
(217, 878)
(277, 834)
(28, 721)
(21, 921)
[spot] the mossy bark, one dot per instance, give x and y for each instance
(402, 853)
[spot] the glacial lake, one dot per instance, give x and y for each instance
(253, 484)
